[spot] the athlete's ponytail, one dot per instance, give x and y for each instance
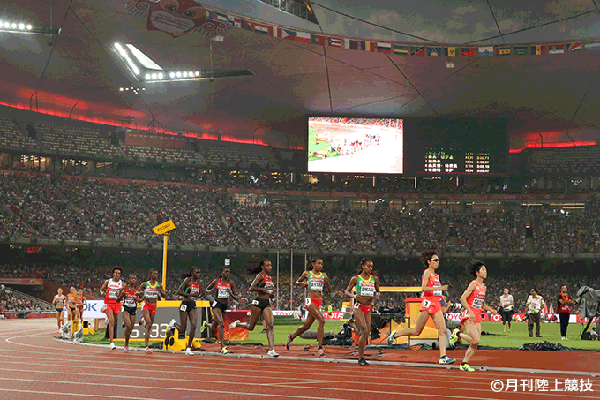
(257, 269)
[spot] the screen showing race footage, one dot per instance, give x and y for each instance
(355, 145)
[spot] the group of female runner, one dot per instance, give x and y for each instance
(363, 288)
(74, 302)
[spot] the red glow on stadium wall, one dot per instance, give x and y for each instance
(577, 143)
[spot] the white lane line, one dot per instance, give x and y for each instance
(149, 388)
(80, 395)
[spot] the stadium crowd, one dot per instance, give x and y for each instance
(42, 206)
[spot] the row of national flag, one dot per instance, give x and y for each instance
(399, 48)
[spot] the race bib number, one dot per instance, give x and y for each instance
(223, 294)
(214, 304)
(477, 303)
(367, 291)
(183, 308)
(270, 289)
(535, 306)
(254, 303)
(426, 303)
(129, 303)
(437, 292)
(112, 295)
(318, 286)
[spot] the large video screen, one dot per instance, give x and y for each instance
(465, 146)
(355, 145)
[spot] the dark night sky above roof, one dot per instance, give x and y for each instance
(548, 94)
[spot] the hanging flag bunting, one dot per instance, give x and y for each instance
(303, 37)
(417, 50)
(556, 48)
(401, 49)
(538, 50)
(384, 47)
(450, 51)
(286, 34)
(353, 44)
(318, 39)
(263, 29)
(398, 48)
(234, 21)
(368, 45)
(247, 25)
(434, 51)
(486, 51)
(468, 51)
(521, 50)
(334, 42)
(592, 46)
(502, 51)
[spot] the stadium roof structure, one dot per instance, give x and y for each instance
(256, 83)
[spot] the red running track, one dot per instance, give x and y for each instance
(35, 366)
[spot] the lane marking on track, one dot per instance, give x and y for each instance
(80, 395)
(148, 388)
(319, 385)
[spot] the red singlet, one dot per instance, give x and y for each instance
(475, 302)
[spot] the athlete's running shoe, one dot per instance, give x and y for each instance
(321, 353)
(113, 346)
(126, 348)
(363, 362)
(272, 353)
(466, 368)
(203, 327)
(454, 336)
(289, 341)
(189, 352)
(233, 325)
(171, 323)
(148, 351)
(224, 350)
(446, 360)
(390, 338)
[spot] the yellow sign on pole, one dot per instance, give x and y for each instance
(164, 227)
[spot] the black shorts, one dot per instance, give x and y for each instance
(221, 306)
(261, 303)
(187, 306)
(59, 310)
(507, 315)
(130, 310)
(73, 309)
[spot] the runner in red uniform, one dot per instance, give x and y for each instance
(190, 291)
(81, 302)
(473, 300)
(59, 303)
(315, 281)
(264, 287)
(130, 299)
(151, 291)
(366, 286)
(110, 290)
(430, 307)
(224, 289)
